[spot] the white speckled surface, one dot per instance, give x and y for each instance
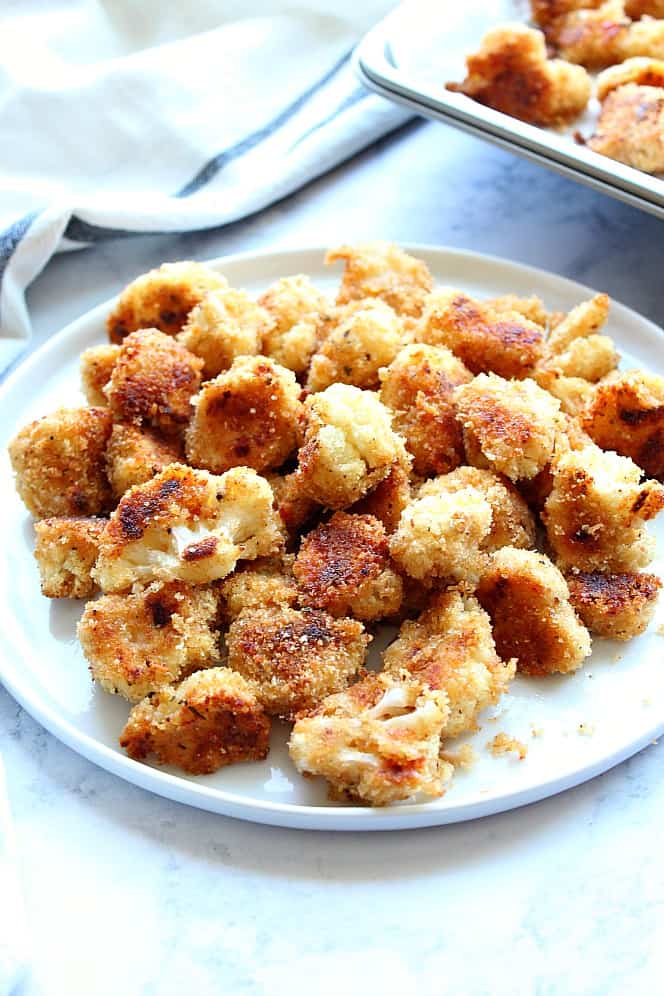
(129, 893)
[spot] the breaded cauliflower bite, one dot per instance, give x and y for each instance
(531, 308)
(376, 743)
(59, 463)
(640, 70)
(577, 355)
(96, 368)
(294, 658)
(265, 582)
(508, 425)
(349, 445)
(208, 721)
(484, 337)
(344, 567)
(617, 606)
(66, 550)
(596, 514)
(418, 386)
(630, 128)
(512, 74)
(532, 618)
(294, 507)
(388, 499)
(153, 381)
(187, 525)
(626, 414)
(136, 644)
(583, 321)
(226, 324)
(449, 648)
(381, 269)
(355, 350)
(601, 37)
(248, 416)
(134, 455)
(162, 298)
(295, 307)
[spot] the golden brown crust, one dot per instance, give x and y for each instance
(630, 128)
(66, 550)
(626, 414)
(640, 69)
(295, 508)
(617, 606)
(388, 499)
(296, 308)
(264, 582)
(354, 350)
(224, 325)
(96, 368)
(134, 455)
(381, 269)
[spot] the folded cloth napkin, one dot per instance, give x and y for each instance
(120, 118)
(12, 941)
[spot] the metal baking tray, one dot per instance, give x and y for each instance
(409, 56)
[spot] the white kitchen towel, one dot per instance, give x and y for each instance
(12, 936)
(118, 118)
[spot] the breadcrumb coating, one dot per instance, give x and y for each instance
(381, 269)
(66, 550)
(533, 620)
(354, 351)
(502, 743)
(294, 658)
(134, 455)
(512, 74)
(508, 425)
(226, 324)
(531, 308)
(208, 721)
(545, 11)
(573, 393)
(187, 525)
(344, 567)
(596, 513)
(136, 644)
(589, 359)
(294, 507)
(153, 381)
(586, 319)
(388, 499)
(630, 128)
(617, 606)
(349, 445)
(376, 743)
(96, 368)
(162, 298)
(418, 386)
(248, 416)
(264, 582)
(600, 37)
(640, 70)
(538, 488)
(450, 648)
(59, 463)
(295, 306)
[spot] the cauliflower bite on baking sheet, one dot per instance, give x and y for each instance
(449, 648)
(349, 445)
(532, 618)
(545, 11)
(208, 721)
(96, 368)
(617, 606)
(226, 324)
(596, 513)
(508, 425)
(59, 465)
(66, 550)
(485, 338)
(344, 567)
(603, 36)
(630, 128)
(266, 581)
(187, 525)
(640, 70)
(512, 74)
(248, 416)
(417, 386)
(376, 743)
(136, 644)
(153, 380)
(295, 307)
(134, 455)
(381, 269)
(294, 658)
(626, 414)
(162, 298)
(354, 351)
(388, 499)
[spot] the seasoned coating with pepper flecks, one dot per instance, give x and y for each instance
(294, 658)
(136, 454)
(532, 618)
(96, 368)
(388, 499)
(630, 128)
(226, 324)
(136, 644)
(617, 606)
(208, 721)
(640, 70)
(381, 269)
(354, 351)
(264, 582)
(295, 307)
(66, 550)
(59, 463)
(248, 416)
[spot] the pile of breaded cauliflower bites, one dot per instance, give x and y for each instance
(256, 484)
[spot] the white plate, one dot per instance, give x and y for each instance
(620, 701)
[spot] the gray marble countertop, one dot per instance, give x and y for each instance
(130, 893)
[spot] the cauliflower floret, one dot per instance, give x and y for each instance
(626, 414)
(380, 269)
(296, 307)
(264, 582)
(59, 463)
(162, 298)
(640, 70)
(66, 550)
(226, 324)
(596, 513)
(134, 455)
(511, 73)
(349, 445)
(617, 606)
(344, 568)
(355, 350)
(153, 380)
(418, 388)
(187, 525)
(388, 499)
(136, 644)
(533, 620)
(585, 320)
(630, 128)
(509, 426)
(293, 659)
(376, 743)
(96, 368)
(210, 720)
